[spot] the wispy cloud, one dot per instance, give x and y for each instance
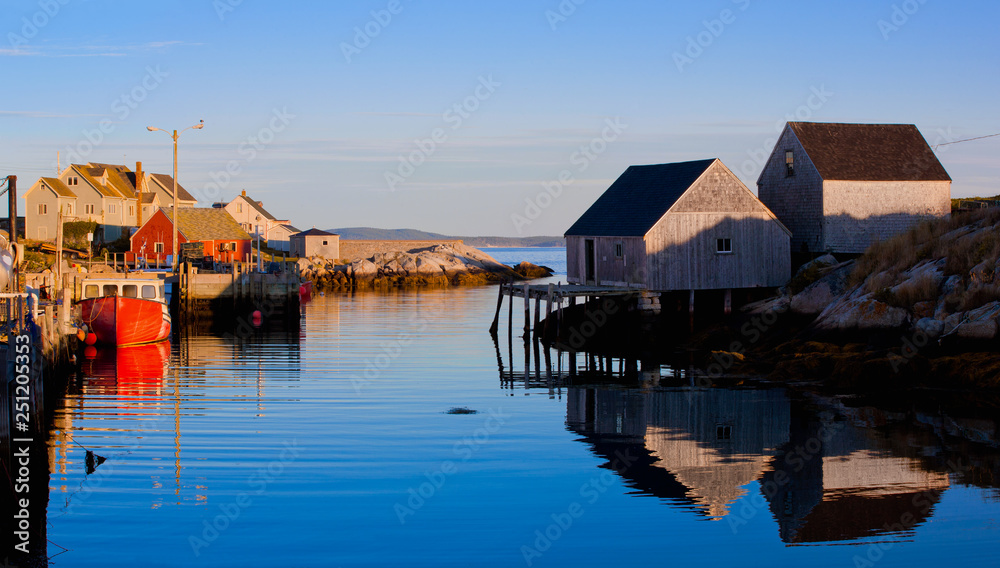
(53, 50)
(393, 114)
(42, 114)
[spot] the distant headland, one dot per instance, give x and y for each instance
(372, 234)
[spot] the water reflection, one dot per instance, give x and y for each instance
(824, 474)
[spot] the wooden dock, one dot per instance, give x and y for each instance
(554, 295)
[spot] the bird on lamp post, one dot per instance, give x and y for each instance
(199, 126)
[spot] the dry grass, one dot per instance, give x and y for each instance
(931, 240)
(921, 289)
(978, 295)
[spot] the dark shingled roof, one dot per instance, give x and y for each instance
(869, 152)
(314, 233)
(204, 224)
(637, 199)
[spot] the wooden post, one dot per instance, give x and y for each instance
(496, 316)
(510, 319)
(527, 312)
(691, 311)
(538, 311)
(728, 302)
(548, 312)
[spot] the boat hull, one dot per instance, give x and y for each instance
(126, 321)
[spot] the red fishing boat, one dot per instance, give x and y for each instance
(125, 311)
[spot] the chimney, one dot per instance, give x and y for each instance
(244, 193)
(140, 184)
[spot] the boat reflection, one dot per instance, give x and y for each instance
(730, 454)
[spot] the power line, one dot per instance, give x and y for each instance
(966, 140)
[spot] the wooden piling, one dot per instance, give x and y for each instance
(527, 312)
(728, 301)
(548, 310)
(496, 317)
(538, 311)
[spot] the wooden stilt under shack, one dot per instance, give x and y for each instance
(728, 302)
(496, 317)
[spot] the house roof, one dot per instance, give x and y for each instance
(257, 206)
(57, 185)
(637, 199)
(206, 224)
(167, 182)
(148, 197)
(314, 233)
(92, 176)
(869, 152)
(289, 228)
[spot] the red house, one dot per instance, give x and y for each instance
(223, 238)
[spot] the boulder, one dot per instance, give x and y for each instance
(817, 296)
(363, 269)
(529, 270)
(863, 313)
(930, 326)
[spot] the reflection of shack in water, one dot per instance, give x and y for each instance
(701, 448)
(834, 482)
(704, 444)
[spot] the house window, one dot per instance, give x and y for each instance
(69, 208)
(111, 209)
(723, 432)
(43, 209)
(131, 210)
(157, 247)
(88, 209)
(619, 250)
(239, 208)
(789, 163)
(72, 181)
(324, 243)
(724, 246)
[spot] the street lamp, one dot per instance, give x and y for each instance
(199, 126)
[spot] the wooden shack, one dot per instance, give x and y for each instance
(841, 187)
(681, 226)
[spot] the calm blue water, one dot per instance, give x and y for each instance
(332, 446)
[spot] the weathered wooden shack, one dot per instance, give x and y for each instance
(841, 187)
(682, 226)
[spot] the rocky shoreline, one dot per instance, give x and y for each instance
(440, 265)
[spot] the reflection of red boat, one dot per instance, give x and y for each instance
(305, 291)
(122, 311)
(124, 365)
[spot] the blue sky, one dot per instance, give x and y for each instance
(317, 120)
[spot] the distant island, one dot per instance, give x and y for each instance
(372, 234)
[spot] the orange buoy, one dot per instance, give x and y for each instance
(90, 352)
(90, 339)
(81, 335)
(257, 318)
